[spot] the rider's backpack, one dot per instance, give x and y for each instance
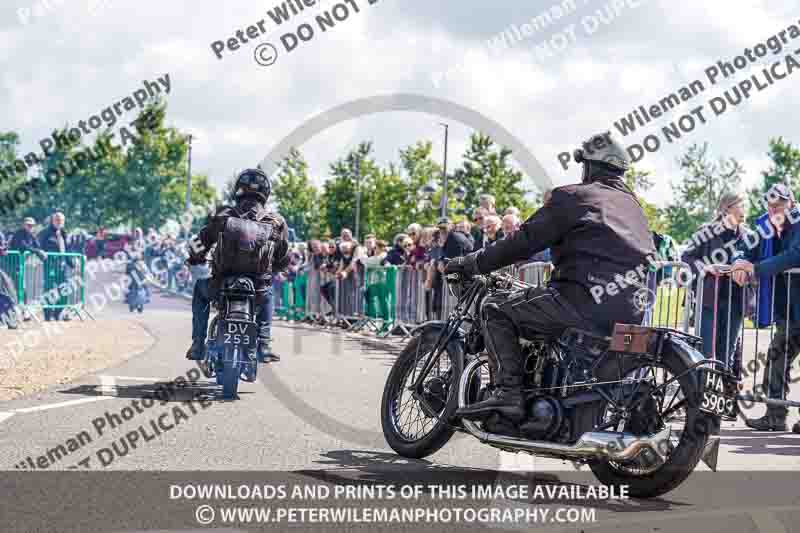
(245, 247)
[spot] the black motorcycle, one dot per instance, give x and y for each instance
(640, 408)
(233, 336)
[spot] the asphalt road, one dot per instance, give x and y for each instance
(315, 415)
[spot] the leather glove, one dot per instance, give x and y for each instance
(466, 265)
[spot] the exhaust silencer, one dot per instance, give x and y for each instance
(592, 445)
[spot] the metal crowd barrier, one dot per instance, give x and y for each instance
(535, 274)
(409, 300)
(395, 299)
(380, 298)
(349, 308)
(54, 285)
(12, 265)
(315, 303)
(667, 297)
(744, 350)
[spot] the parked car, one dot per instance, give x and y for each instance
(115, 243)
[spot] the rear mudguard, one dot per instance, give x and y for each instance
(688, 356)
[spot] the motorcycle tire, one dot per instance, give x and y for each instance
(683, 459)
(443, 430)
(230, 380)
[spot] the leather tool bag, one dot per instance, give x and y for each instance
(630, 338)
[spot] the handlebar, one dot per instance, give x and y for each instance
(502, 281)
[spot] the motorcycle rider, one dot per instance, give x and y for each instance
(251, 192)
(597, 234)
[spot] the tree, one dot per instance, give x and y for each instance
(295, 196)
(356, 171)
(785, 168)
(173, 195)
(9, 143)
(387, 196)
(639, 182)
(487, 169)
(154, 160)
(420, 170)
(696, 197)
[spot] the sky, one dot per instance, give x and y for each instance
(66, 60)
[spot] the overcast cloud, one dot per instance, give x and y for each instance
(75, 57)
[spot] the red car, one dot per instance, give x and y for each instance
(115, 242)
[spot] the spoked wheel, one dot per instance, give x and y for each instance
(670, 405)
(416, 425)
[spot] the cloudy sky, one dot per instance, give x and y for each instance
(65, 60)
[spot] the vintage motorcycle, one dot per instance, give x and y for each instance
(233, 335)
(640, 408)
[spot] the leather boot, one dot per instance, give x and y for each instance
(197, 351)
(506, 400)
(265, 353)
(772, 421)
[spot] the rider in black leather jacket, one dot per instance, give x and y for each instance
(252, 191)
(598, 234)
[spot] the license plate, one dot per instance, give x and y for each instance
(719, 395)
(238, 333)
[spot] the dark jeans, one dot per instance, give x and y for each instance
(726, 344)
(778, 373)
(201, 308)
(328, 291)
(201, 305)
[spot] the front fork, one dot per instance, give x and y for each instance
(443, 339)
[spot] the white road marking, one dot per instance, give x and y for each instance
(6, 416)
(108, 386)
(47, 407)
(766, 522)
(135, 378)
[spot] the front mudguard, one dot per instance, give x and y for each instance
(435, 327)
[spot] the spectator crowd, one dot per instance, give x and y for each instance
(765, 253)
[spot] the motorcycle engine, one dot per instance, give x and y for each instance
(545, 416)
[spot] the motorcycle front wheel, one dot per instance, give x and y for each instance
(230, 380)
(411, 429)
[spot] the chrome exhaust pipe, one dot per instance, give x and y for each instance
(611, 446)
(607, 445)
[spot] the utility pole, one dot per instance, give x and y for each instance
(189, 178)
(444, 172)
(358, 195)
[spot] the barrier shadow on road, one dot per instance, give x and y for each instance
(155, 391)
(360, 467)
(749, 442)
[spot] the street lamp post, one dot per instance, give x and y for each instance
(189, 178)
(358, 195)
(444, 171)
